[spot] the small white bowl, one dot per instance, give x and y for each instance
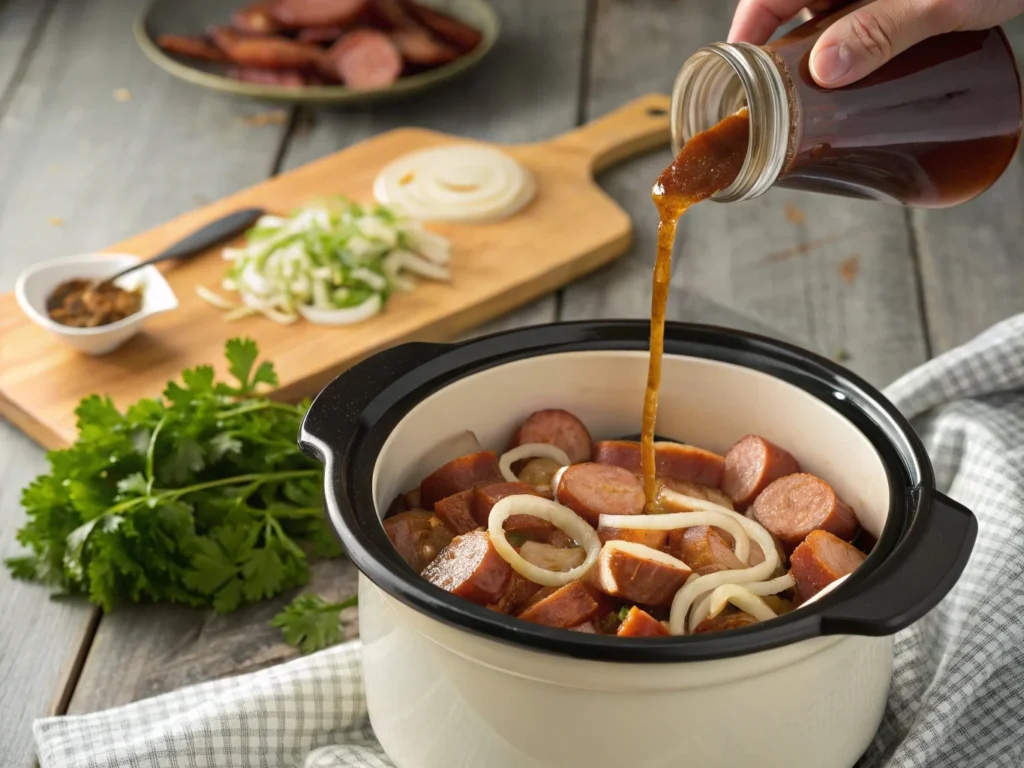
(35, 284)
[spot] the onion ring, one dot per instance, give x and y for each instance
(672, 521)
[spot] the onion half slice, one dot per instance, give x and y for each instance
(561, 517)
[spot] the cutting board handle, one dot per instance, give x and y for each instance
(637, 127)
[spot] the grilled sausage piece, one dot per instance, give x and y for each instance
(639, 623)
(706, 550)
(515, 595)
(727, 619)
(819, 560)
(319, 34)
(646, 576)
(695, 490)
(419, 47)
(486, 496)
(652, 539)
(266, 52)
(470, 567)
(417, 536)
(461, 474)
(591, 490)
(566, 607)
(456, 512)
(366, 58)
(793, 506)
(682, 462)
(751, 465)
(462, 36)
(297, 14)
(191, 47)
(559, 428)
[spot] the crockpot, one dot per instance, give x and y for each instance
(450, 684)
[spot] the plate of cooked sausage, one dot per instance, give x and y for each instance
(318, 51)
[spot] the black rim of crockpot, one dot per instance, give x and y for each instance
(349, 422)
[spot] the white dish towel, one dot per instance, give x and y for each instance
(957, 698)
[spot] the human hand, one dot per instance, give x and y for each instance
(862, 41)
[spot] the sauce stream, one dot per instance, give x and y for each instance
(708, 163)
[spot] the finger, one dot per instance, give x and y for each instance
(861, 42)
(756, 20)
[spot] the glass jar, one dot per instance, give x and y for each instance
(934, 127)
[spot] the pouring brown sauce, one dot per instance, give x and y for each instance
(86, 304)
(708, 163)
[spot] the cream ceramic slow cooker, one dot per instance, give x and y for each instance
(452, 685)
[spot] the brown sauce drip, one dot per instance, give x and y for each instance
(708, 163)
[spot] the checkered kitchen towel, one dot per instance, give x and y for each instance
(957, 699)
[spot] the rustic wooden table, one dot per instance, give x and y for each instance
(97, 144)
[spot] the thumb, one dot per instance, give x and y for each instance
(859, 43)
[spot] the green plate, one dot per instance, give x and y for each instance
(192, 17)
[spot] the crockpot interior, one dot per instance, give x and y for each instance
(704, 402)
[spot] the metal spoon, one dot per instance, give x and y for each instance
(199, 241)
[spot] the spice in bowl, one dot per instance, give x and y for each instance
(87, 304)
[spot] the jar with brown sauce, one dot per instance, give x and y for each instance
(934, 127)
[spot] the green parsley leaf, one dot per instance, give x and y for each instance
(311, 623)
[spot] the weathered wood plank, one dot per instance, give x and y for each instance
(972, 262)
(146, 650)
(83, 169)
(833, 274)
(21, 23)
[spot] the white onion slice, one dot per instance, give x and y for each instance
(741, 597)
(707, 606)
(530, 451)
(675, 520)
(458, 182)
(686, 596)
(561, 517)
(215, 299)
(556, 479)
(346, 316)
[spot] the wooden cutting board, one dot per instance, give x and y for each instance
(569, 229)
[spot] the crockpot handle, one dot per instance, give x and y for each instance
(915, 576)
(333, 416)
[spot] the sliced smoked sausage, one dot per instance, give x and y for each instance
(639, 623)
(417, 536)
(695, 490)
(676, 460)
(651, 577)
(456, 512)
(751, 465)
(515, 595)
(366, 58)
(461, 474)
(462, 36)
(727, 619)
(559, 428)
(266, 52)
(419, 47)
(652, 539)
(820, 559)
(296, 14)
(319, 34)
(566, 607)
(191, 47)
(706, 550)
(793, 506)
(591, 490)
(470, 567)
(486, 496)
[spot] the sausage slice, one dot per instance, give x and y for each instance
(641, 575)
(652, 539)
(418, 537)
(296, 14)
(419, 47)
(566, 607)
(727, 619)
(266, 52)
(516, 594)
(793, 506)
(366, 58)
(456, 512)
(462, 474)
(751, 465)
(191, 47)
(675, 460)
(319, 34)
(591, 490)
(696, 490)
(819, 560)
(705, 550)
(462, 36)
(559, 428)
(639, 623)
(470, 567)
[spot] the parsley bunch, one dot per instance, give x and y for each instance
(199, 497)
(311, 623)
